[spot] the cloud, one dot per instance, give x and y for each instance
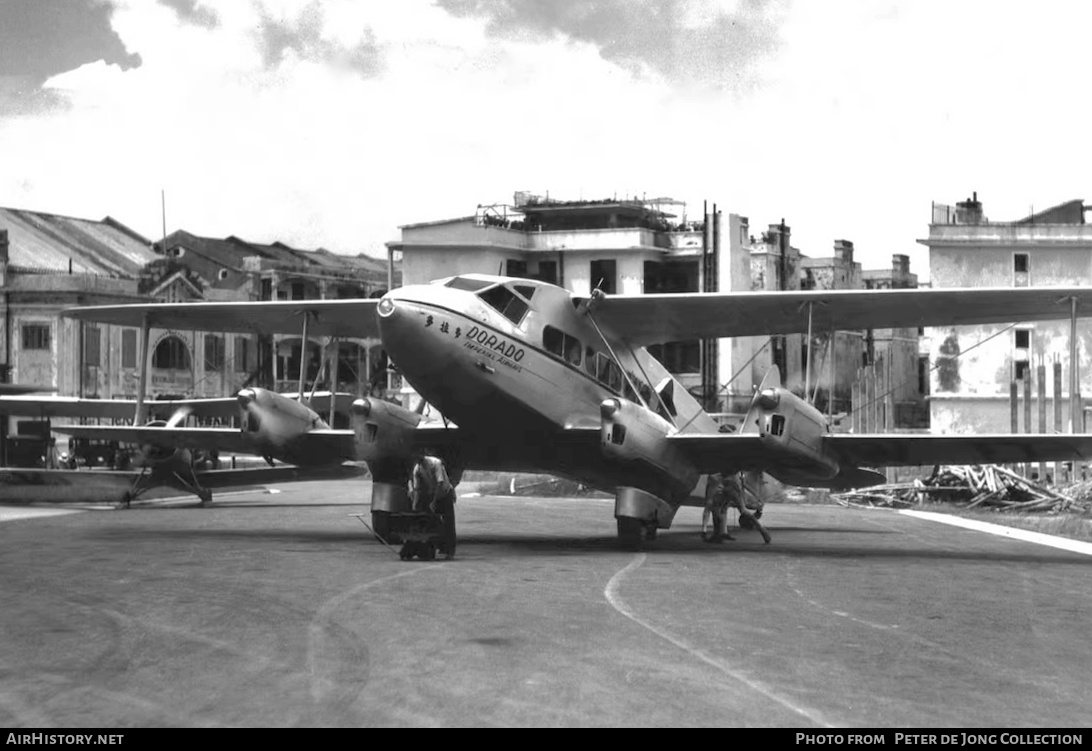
(194, 12)
(307, 33)
(41, 38)
(700, 43)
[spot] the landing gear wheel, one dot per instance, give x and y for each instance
(206, 498)
(381, 525)
(633, 532)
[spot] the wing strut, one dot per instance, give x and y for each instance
(303, 356)
(142, 384)
(807, 362)
(586, 309)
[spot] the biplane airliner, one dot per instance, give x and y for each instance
(188, 458)
(532, 377)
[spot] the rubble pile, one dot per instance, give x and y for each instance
(986, 486)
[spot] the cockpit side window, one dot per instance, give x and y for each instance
(526, 290)
(511, 306)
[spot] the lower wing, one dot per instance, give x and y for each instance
(909, 450)
(228, 440)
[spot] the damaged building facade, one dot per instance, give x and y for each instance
(1003, 377)
(642, 246)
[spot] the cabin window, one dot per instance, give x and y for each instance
(511, 306)
(608, 372)
(589, 361)
(561, 345)
(36, 336)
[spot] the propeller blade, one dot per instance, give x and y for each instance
(179, 417)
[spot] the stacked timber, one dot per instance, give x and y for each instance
(985, 486)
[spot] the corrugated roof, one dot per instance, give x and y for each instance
(49, 242)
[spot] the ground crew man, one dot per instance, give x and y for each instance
(432, 491)
(715, 515)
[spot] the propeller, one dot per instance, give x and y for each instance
(766, 397)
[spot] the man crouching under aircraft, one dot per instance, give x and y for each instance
(432, 489)
(721, 491)
(715, 515)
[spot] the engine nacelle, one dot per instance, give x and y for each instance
(637, 438)
(795, 430)
(383, 431)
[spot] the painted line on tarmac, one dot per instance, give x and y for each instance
(616, 601)
(1074, 546)
(13, 514)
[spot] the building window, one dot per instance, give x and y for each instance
(1021, 269)
(92, 345)
(128, 348)
(214, 352)
(678, 357)
(242, 354)
(516, 268)
(298, 291)
(36, 336)
(547, 271)
(1021, 369)
(1022, 338)
(171, 354)
(604, 276)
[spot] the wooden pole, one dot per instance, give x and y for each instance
(1058, 466)
(1074, 382)
(1027, 411)
(1040, 376)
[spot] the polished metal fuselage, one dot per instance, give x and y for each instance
(496, 379)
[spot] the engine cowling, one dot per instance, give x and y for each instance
(637, 438)
(794, 429)
(382, 431)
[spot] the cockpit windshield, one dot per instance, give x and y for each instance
(511, 306)
(470, 285)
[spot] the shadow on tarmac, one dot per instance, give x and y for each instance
(682, 543)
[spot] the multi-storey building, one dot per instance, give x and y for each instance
(977, 369)
(49, 263)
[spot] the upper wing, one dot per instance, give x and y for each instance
(341, 318)
(113, 409)
(909, 450)
(650, 319)
(228, 440)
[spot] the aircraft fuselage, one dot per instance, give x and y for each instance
(515, 362)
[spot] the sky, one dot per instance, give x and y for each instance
(330, 123)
